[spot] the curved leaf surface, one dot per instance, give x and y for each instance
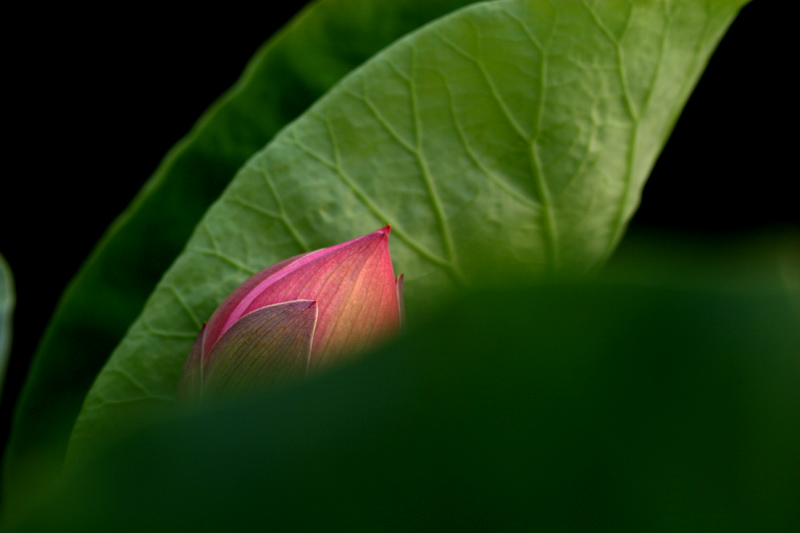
(509, 135)
(292, 70)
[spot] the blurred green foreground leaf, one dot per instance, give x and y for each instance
(581, 407)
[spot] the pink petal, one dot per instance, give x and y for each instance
(223, 317)
(190, 385)
(401, 304)
(353, 284)
(268, 345)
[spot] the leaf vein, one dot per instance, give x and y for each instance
(490, 83)
(287, 224)
(438, 208)
(627, 97)
(547, 214)
(376, 211)
(381, 119)
(224, 257)
(133, 381)
(188, 310)
(494, 178)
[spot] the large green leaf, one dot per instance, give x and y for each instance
(603, 407)
(512, 135)
(293, 69)
(7, 301)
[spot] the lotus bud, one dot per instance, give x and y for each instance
(296, 316)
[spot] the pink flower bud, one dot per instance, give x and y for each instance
(296, 315)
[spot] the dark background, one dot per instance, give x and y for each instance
(96, 99)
